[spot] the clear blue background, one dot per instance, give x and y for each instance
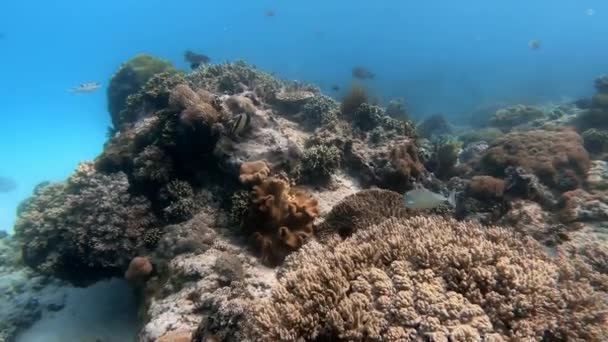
(441, 56)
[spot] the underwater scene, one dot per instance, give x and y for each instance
(318, 171)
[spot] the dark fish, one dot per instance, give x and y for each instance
(196, 59)
(7, 185)
(362, 73)
(534, 44)
(335, 88)
(240, 124)
(269, 13)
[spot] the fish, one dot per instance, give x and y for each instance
(7, 185)
(240, 124)
(534, 44)
(362, 73)
(86, 87)
(196, 59)
(590, 12)
(421, 198)
(269, 13)
(335, 88)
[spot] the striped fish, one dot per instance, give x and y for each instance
(240, 124)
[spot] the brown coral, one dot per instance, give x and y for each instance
(403, 168)
(139, 269)
(361, 210)
(280, 219)
(427, 278)
(541, 152)
(254, 172)
(193, 108)
(486, 188)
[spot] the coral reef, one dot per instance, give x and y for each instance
(542, 152)
(321, 110)
(355, 97)
(486, 188)
(443, 156)
(507, 118)
(400, 169)
(320, 162)
(86, 229)
(279, 220)
(139, 269)
(360, 211)
(128, 80)
(596, 141)
(420, 278)
(254, 172)
(433, 125)
(487, 134)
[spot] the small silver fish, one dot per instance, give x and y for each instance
(240, 124)
(421, 198)
(86, 87)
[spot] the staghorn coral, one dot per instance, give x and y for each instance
(128, 80)
(541, 152)
(280, 219)
(86, 229)
(360, 211)
(320, 162)
(507, 118)
(428, 278)
(486, 188)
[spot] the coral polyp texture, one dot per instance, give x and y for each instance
(427, 278)
(85, 229)
(551, 156)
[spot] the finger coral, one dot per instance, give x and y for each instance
(428, 278)
(540, 152)
(280, 219)
(360, 211)
(86, 229)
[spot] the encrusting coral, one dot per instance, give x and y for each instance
(86, 229)
(542, 152)
(428, 278)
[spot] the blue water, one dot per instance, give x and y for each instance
(441, 56)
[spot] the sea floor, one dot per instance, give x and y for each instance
(104, 312)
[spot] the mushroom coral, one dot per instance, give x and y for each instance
(540, 152)
(429, 278)
(279, 220)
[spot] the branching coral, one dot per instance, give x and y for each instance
(128, 80)
(360, 211)
(152, 165)
(234, 78)
(320, 162)
(541, 152)
(319, 111)
(430, 278)
(279, 220)
(179, 200)
(86, 229)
